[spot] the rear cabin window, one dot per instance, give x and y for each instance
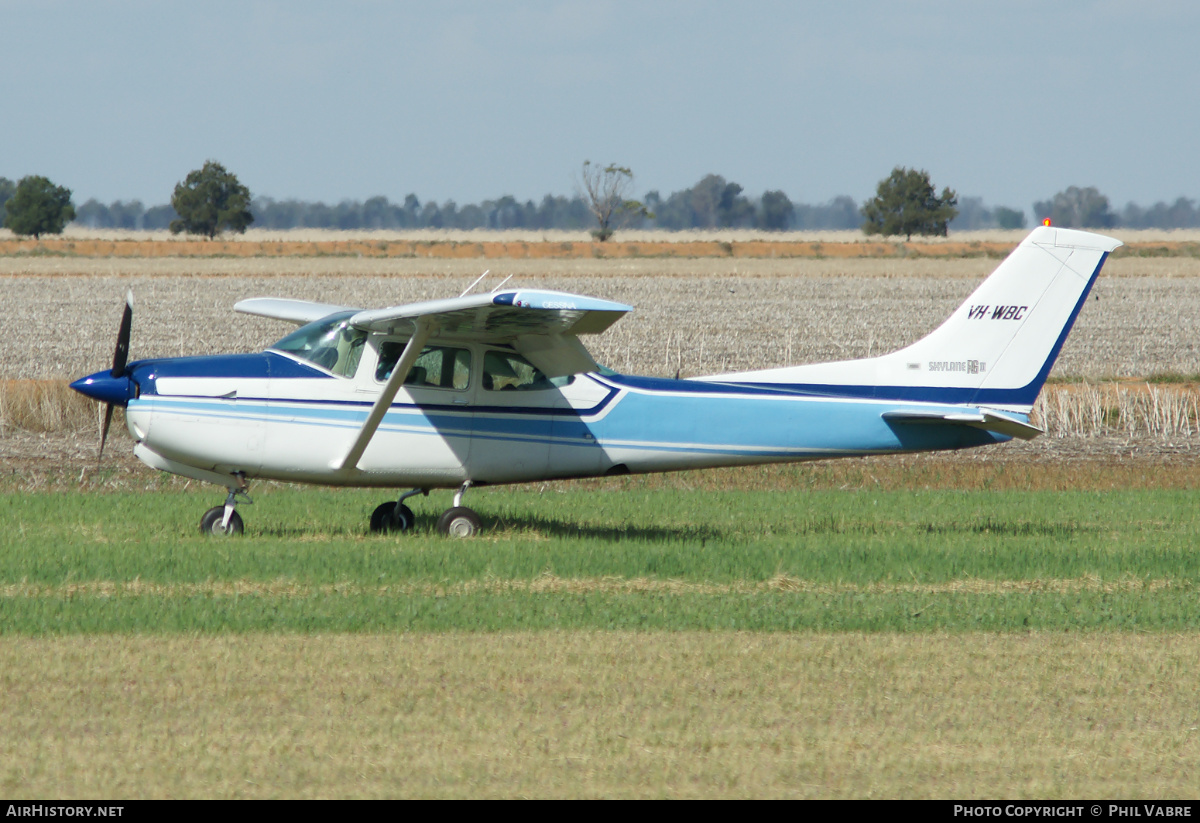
(509, 371)
(437, 367)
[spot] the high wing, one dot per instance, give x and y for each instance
(293, 311)
(542, 325)
(499, 318)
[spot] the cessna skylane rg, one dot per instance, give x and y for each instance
(494, 388)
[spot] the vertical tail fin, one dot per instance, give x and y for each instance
(996, 349)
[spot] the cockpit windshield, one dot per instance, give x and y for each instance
(331, 343)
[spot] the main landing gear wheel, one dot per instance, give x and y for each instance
(211, 522)
(459, 522)
(391, 517)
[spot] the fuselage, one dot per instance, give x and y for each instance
(476, 413)
(498, 388)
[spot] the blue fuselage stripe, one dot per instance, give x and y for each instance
(748, 424)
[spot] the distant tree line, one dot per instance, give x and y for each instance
(712, 203)
(121, 214)
(694, 208)
(380, 213)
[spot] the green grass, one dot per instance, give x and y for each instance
(1047, 715)
(1173, 377)
(617, 556)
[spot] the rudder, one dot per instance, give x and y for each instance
(995, 350)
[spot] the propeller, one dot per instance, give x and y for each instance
(120, 358)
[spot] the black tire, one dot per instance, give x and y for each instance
(210, 523)
(388, 517)
(459, 522)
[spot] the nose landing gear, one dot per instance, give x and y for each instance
(224, 521)
(459, 521)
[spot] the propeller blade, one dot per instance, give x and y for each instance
(108, 413)
(121, 355)
(120, 358)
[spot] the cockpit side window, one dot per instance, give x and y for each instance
(331, 343)
(509, 371)
(437, 367)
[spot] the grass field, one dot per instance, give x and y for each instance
(624, 556)
(631, 638)
(600, 714)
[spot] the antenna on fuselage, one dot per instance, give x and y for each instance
(502, 282)
(476, 283)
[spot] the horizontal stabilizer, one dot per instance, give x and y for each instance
(989, 421)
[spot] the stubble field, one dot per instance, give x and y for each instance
(1010, 622)
(693, 315)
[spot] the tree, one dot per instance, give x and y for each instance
(158, 217)
(907, 203)
(604, 189)
(715, 202)
(972, 215)
(734, 209)
(841, 212)
(1077, 208)
(1182, 214)
(1007, 218)
(7, 189)
(38, 207)
(210, 201)
(777, 211)
(377, 214)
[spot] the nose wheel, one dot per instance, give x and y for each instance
(459, 522)
(213, 522)
(224, 521)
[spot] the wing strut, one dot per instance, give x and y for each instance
(424, 327)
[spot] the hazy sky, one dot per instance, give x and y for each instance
(1008, 101)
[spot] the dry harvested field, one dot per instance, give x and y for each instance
(561, 245)
(692, 315)
(695, 316)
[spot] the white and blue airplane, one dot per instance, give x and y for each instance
(496, 388)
